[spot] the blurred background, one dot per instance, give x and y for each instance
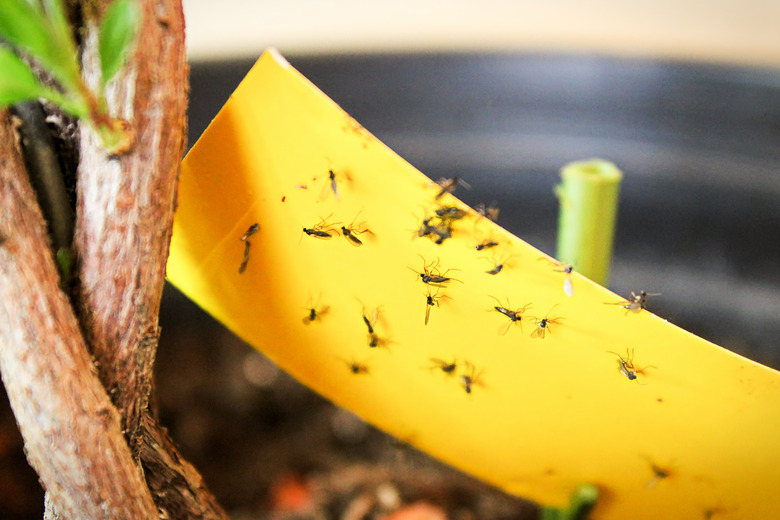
(683, 96)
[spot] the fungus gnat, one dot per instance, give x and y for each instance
(499, 262)
(514, 316)
(355, 367)
(449, 185)
(431, 275)
(568, 288)
(626, 365)
(375, 341)
(332, 184)
(448, 367)
(471, 378)
(450, 214)
(490, 212)
(543, 325)
(369, 322)
(370, 319)
(636, 303)
(432, 299)
(496, 269)
(352, 231)
(245, 261)
(659, 473)
(435, 228)
(315, 313)
(254, 228)
(485, 244)
(322, 229)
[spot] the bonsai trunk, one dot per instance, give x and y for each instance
(78, 371)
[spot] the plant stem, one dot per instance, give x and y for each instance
(581, 503)
(588, 196)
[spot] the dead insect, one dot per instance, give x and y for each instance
(449, 185)
(568, 288)
(375, 341)
(431, 275)
(450, 213)
(448, 367)
(254, 228)
(499, 262)
(626, 366)
(543, 325)
(370, 319)
(490, 212)
(245, 261)
(496, 269)
(437, 229)
(471, 378)
(356, 368)
(322, 229)
(353, 230)
(659, 473)
(369, 322)
(331, 185)
(315, 314)
(432, 300)
(636, 303)
(486, 244)
(514, 316)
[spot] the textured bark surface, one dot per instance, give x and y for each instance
(126, 203)
(71, 430)
(89, 433)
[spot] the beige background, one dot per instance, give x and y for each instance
(728, 31)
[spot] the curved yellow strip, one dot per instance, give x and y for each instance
(695, 435)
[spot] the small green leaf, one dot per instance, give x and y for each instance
(17, 81)
(582, 501)
(23, 25)
(117, 33)
(29, 28)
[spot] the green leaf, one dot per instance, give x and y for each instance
(17, 81)
(117, 33)
(23, 25)
(31, 29)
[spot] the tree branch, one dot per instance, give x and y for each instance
(125, 207)
(72, 433)
(124, 219)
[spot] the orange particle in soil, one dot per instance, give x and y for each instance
(290, 493)
(418, 511)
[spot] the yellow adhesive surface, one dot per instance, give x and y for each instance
(695, 435)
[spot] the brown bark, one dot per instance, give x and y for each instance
(123, 226)
(72, 433)
(126, 203)
(123, 230)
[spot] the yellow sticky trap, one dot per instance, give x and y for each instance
(694, 432)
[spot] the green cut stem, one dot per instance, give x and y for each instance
(582, 501)
(588, 196)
